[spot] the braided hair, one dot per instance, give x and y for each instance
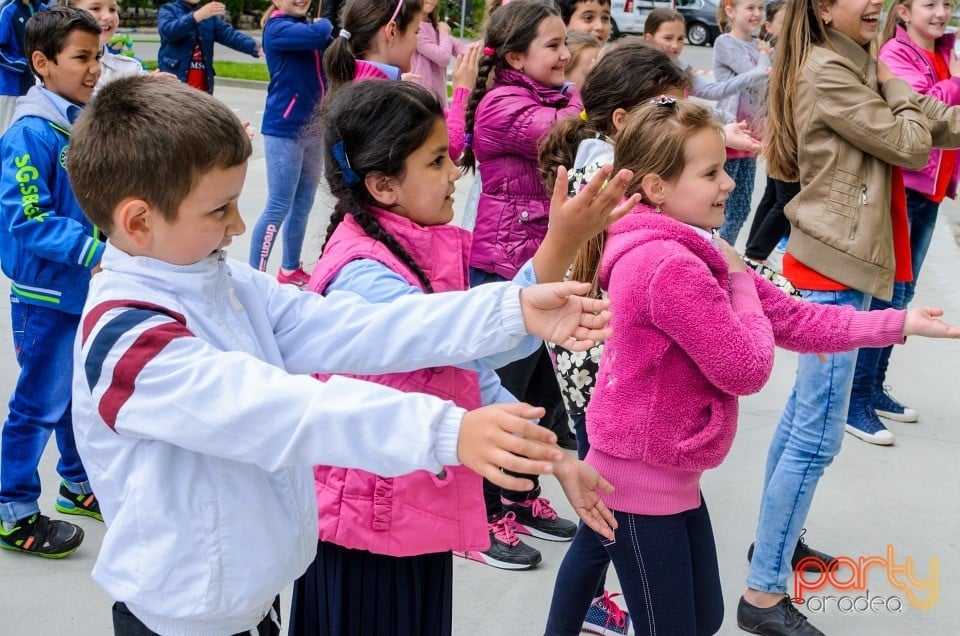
(373, 126)
(511, 30)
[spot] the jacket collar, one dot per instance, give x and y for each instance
(548, 96)
(849, 49)
(199, 277)
(644, 224)
(944, 42)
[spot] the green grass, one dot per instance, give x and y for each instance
(256, 71)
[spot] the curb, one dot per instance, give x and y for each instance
(255, 85)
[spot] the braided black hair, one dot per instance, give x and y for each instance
(511, 30)
(380, 123)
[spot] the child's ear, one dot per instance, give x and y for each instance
(618, 118)
(382, 188)
(40, 63)
(132, 223)
(654, 188)
(515, 60)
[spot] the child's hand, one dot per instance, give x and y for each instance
(247, 128)
(551, 311)
(502, 436)
(954, 64)
(465, 68)
(158, 74)
(593, 209)
(883, 72)
(209, 10)
(734, 260)
(410, 77)
(737, 135)
(443, 28)
(580, 483)
(925, 321)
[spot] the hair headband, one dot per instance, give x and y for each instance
(396, 12)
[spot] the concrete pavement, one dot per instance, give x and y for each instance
(870, 498)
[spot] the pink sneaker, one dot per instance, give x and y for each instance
(506, 550)
(297, 277)
(606, 617)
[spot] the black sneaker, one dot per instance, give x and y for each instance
(73, 504)
(538, 519)
(42, 536)
(783, 619)
(803, 551)
(506, 551)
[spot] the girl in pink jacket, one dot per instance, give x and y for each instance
(435, 48)
(384, 560)
(919, 51)
(693, 330)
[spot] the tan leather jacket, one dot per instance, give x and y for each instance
(849, 134)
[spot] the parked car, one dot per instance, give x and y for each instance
(629, 16)
(701, 17)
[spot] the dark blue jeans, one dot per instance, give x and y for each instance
(40, 405)
(872, 364)
(667, 567)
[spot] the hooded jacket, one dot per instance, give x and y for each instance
(689, 338)
(47, 245)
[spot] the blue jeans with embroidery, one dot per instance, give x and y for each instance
(743, 172)
(807, 439)
(294, 167)
(667, 566)
(40, 405)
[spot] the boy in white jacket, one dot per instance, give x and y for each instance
(192, 412)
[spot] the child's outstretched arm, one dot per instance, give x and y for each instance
(580, 483)
(574, 221)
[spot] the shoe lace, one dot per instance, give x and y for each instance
(541, 509)
(794, 617)
(615, 615)
(502, 529)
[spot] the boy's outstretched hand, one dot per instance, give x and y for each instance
(925, 321)
(580, 483)
(554, 312)
(503, 436)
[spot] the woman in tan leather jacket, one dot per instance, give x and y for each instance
(838, 125)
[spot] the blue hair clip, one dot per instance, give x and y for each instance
(350, 178)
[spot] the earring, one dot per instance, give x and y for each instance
(657, 209)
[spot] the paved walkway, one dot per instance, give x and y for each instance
(869, 498)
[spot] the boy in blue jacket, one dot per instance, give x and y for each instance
(48, 250)
(187, 34)
(15, 78)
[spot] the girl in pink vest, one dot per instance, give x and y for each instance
(384, 562)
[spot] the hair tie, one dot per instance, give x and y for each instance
(584, 116)
(489, 50)
(344, 34)
(663, 100)
(396, 11)
(350, 178)
(468, 141)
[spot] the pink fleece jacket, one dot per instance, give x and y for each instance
(689, 337)
(434, 52)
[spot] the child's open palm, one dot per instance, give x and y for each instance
(554, 312)
(926, 322)
(580, 483)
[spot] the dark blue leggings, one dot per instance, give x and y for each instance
(668, 571)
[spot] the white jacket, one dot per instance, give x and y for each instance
(198, 440)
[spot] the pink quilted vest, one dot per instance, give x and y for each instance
(422, 512)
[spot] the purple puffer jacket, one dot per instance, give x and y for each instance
(510, 121)
(909, 62)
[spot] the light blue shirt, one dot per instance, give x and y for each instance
(380, 284)
(68, 109)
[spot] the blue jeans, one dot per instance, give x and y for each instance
(807, 439)
(294, 167)
(40, 405)
(667, 567)
(743, 172)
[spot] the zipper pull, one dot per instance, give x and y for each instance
(863, 194)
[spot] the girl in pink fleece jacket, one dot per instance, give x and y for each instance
(693, 330)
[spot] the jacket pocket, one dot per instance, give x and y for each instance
(706, 447)
(289, 109)
(845, 193)
(168, 63)
(209, 519)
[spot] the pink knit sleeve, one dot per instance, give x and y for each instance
(724, 332)
(807, 327)
(456, 121)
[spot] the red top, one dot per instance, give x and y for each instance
(804, 277)
(197, 75)
(948, 157)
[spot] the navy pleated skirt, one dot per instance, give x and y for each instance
(348, 592)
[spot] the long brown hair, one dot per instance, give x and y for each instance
(893, 20)
(803, 28)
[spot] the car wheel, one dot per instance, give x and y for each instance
(698, 34)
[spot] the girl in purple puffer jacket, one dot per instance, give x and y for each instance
(525, 50)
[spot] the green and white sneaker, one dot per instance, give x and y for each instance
(70, 503)
(41, 536)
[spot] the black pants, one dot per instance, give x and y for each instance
(530, 380)
(667, 566)
(126, 624)
(769, 224)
